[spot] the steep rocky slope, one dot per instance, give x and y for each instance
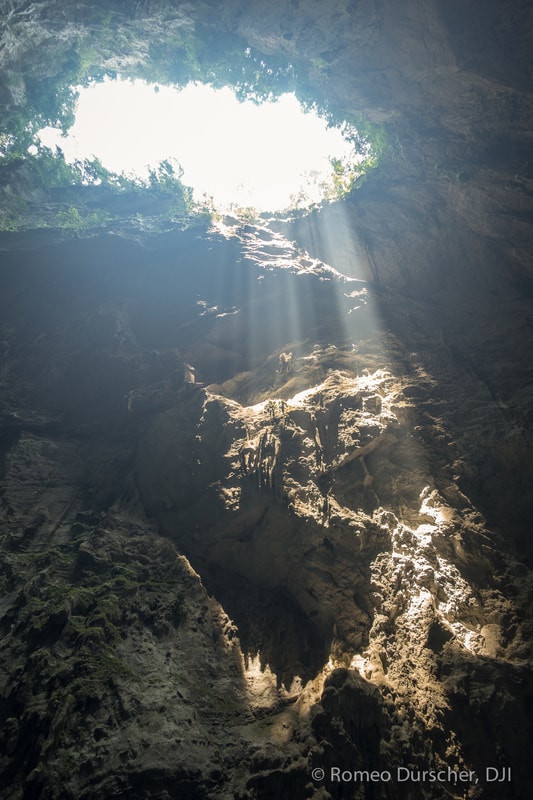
(358, 611)
(266, 490)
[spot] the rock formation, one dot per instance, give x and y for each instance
(266, 489)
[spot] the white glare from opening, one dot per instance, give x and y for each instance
(238, 153)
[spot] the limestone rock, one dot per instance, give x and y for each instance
(238, 547)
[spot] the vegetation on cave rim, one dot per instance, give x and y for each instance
(84, 194)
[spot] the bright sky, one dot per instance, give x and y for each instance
(237, 153)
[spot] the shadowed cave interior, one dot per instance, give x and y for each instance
(265, 481)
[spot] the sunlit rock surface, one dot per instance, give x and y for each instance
(266, 489)
(237, 543)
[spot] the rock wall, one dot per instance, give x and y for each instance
(265, 493)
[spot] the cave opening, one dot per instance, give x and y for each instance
(233, 153)
(207, 125)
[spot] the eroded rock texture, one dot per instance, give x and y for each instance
(265, 501)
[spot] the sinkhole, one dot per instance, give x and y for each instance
(233, 153)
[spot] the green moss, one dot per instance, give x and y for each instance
(12, 213)
(74, 221)
(10, 222)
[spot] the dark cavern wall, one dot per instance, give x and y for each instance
(266, 495)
